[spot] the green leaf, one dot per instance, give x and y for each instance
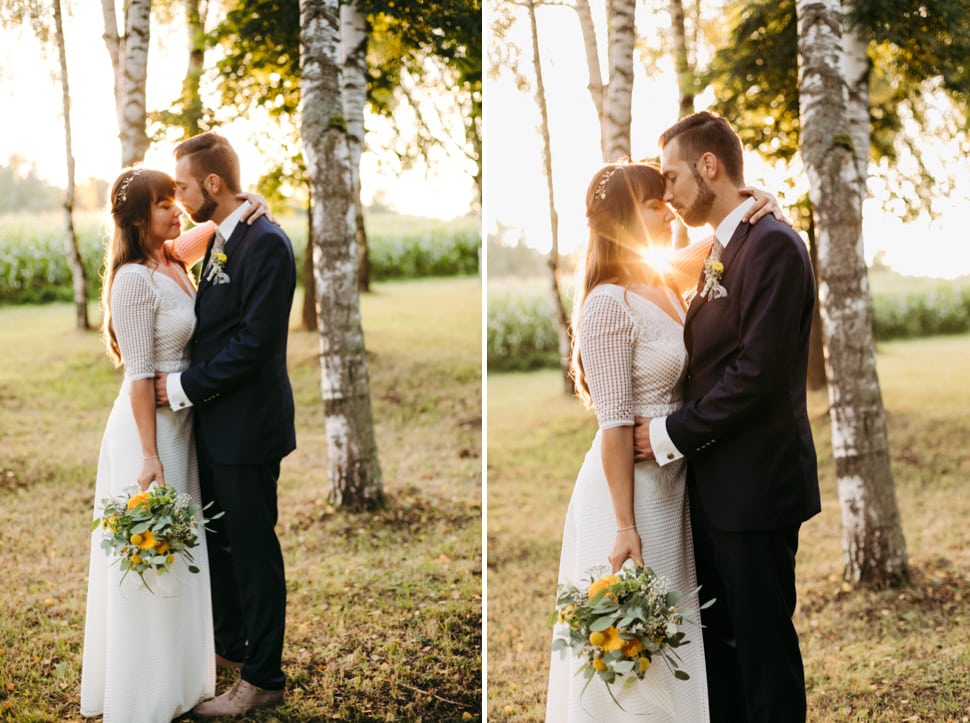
(624, 666)
(681, 675)
(601, 624)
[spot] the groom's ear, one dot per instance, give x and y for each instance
(213, 183)
(709, 165)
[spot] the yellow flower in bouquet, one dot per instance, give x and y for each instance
(146, 531)
(619, 624)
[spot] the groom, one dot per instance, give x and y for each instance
(244, 425)
(751, 465)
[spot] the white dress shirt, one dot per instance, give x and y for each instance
(663, 447)
(177, 397)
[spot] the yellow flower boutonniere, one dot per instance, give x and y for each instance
(713, 270)
(217, 265)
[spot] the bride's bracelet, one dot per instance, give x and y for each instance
(149, 459)
(624, 529)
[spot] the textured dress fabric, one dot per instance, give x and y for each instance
(634, 360)
(148, 656)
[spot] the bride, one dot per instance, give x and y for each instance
(148, 656)
(629, 360)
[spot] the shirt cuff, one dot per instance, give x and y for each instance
(177, 397)
(664, 450)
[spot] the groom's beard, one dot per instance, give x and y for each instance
(204, 213)
(697, 213)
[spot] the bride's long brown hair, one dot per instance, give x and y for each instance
(616, 238)
(132, 196)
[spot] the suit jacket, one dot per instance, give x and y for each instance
(744, 426)
(238, 382)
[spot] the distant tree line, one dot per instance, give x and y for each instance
(22, 189)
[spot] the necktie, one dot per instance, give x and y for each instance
(218, 245)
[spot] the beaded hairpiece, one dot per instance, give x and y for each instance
(122, 194)
(600, 192)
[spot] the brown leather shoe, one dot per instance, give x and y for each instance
(226, 664)
(241, 698)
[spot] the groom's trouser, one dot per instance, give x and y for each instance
(246, 567)
(754, 666)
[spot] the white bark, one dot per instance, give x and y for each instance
(353, 469)
(617, 117)
(873, 542)
(353, 62)
(134, 137)
(855, 63)
(78, 275)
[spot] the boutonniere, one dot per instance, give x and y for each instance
(713, 270)
(217, 264)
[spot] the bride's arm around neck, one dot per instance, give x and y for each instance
(685, 265)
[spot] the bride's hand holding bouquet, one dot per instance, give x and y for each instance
(146, 529)
(621, 624)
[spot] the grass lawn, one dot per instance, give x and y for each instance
(385, 609)
(892, 655)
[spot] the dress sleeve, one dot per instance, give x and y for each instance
(133, 306)
(684, 270)
(190, 246)
(606, 333)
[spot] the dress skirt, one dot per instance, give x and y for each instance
(148, 656)
(663, 521)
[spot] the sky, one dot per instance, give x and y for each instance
(32, 125)
(515, 189)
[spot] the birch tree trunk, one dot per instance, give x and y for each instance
(129, 59)
(353, 87)
(855, 64)
(192, 109)
(134, 136)
(353, 469)
(310, 322)
(559, 313)
(873, 543)
(621, 36)
(685, 77)
(115, 42)
(685, 88)
(78, 275)
(597, 90)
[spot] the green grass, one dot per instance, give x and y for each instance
(384, 609)
(892, 655)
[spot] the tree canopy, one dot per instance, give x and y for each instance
(915, 48)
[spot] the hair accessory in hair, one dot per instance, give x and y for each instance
(122, 195)
(600, 192)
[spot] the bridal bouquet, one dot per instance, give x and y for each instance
(620, 624)
(146, 530)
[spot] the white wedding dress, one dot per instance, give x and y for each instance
(148, 656)
(634, 360)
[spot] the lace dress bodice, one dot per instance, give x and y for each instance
(633, 356)
(154, 319)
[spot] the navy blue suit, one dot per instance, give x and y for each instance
(752, 470)
(244, 426)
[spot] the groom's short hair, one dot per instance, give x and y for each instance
(211, 153)
(707, 132)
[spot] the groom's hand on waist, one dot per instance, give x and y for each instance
(642, 451)
(161, 392)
